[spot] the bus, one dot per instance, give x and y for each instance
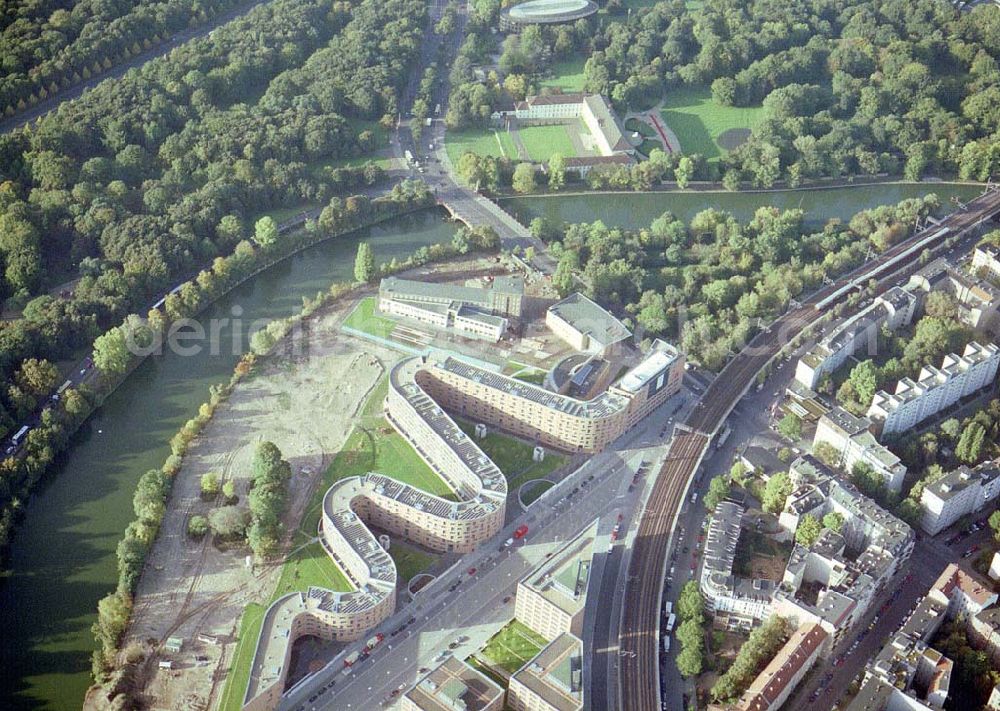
(19, 435)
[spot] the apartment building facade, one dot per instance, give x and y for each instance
(852, 438)
(957, 494)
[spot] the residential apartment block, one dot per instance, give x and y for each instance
(454, 686)
(958, 493)
(986, 261)
(551, 600)
(851, 436)
(552, 680)
(935, 389)
(735, 602)
(374, 498)
(893, 309)
(559, 421)
(846, 585)
(772, 687)
(977, 299)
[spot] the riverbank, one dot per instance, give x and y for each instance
(63, 559)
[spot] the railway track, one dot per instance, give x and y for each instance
(639, 673)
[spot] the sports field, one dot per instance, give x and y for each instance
(567, 75)
(542, 142)
(513, 646)
(484, 142)
(699, 122)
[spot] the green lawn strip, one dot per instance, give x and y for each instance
(539, 470)
(567, 75)
(484, 142)
(512, 646)
(698, 121)
(531, 375)
(365, 318)
(542, 141)
(410, 561)
(239, 668)
(308, 567)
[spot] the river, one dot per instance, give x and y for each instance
(63, 556)
(635, 210)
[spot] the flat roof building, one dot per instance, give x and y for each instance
(851, 436)
(935, 389)
(454, 686)
(552, 680)
(958, 493)
(772, 687)
(584, 325)
(551, 600)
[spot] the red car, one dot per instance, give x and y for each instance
(472, 571)
(520, 532)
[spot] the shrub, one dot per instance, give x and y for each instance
(197, 526)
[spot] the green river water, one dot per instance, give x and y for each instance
(63, 557)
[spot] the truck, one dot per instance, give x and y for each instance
(520, 532)
(351, 658)
(374, 641)
(671, 621)
(408, 155)
(666, 644)
(668, 607)
(721, 439)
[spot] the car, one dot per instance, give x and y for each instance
(506, 599)
(423, 670)
(471, 571)
(394, 693)
(411, 620)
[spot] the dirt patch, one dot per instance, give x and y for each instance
(307, 406)
(733, 138)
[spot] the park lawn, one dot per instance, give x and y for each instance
(513, 646)
(567, 75)
(512, 455)
(542, 141)
(364, 318)
(239, 667)
(644, 129)
(483, 142)
(410, 561)
(698, 121)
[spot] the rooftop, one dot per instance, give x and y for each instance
(769, 685)
(454, 686)
(585, 316)
(661, 356)
(563, 578)
(954, 578)
(556, 673)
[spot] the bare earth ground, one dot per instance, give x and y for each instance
(306, 406)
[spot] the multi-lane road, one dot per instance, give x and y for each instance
(639, 682)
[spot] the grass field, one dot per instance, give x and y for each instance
(310, 567)
(698, 121)
(480, 141)
(535, 491)
(410, 561)
(542, 141)
(364, 318)
(567, 75)
(513, 646)
(649, 145)
(514, 456)
(239, 669)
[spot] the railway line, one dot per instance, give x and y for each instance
(639, 670)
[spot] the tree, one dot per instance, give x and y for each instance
(690, 661)
(265, 231)
(524, 178)
(689, 603)
(864, 380)
(776, 492)
(364, 264)
(718, 490)
(808, 530)
(111, 353)
(826, 453)
(557, 171)
(229, 491)
(995, 524)
(684, 171)
(197, 526)
(790, 427)
(209, 484)
(563, 279)
(37, 377)
(970, 444)
(834, 521)
(227, 522)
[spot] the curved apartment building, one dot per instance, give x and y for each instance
(476, 514)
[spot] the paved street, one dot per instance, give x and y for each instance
(476, 609)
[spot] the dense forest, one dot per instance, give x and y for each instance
(905, 87)
(146, 179)
(49, 46)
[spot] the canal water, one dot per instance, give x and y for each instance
(635, 210)
(63, 556)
